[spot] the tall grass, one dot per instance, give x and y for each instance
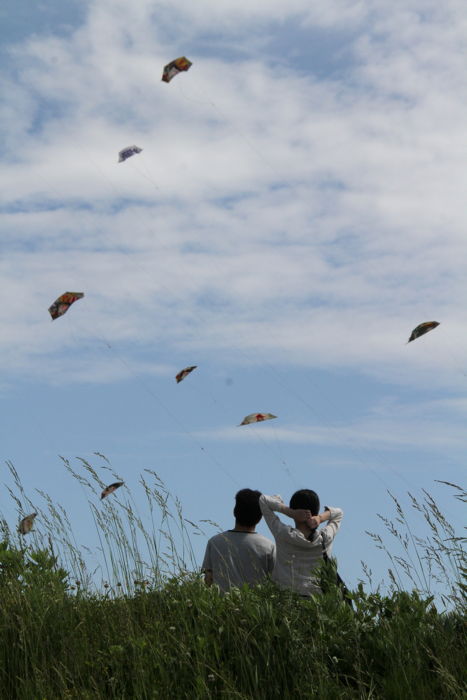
(144, 625)
(435, 563)
(132, 547)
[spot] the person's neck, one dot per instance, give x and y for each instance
(244, 528)
(304, 529)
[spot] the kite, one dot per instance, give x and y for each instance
(257, 418)
(26, 524)
(422, 329)
(174, 67)
(110, 489)
(128, 152)
(63, 303)
(184, 373)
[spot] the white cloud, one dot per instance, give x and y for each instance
(315, 220)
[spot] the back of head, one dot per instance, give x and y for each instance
(305, 499)
(247, 511)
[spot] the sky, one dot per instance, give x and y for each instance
(297, 209)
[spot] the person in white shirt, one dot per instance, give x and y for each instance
(240, 555)
(299, 549)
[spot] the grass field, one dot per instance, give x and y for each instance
(153, 630)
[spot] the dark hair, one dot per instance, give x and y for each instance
(247, 511)
(306, 500)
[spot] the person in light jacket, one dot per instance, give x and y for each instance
(299, 549)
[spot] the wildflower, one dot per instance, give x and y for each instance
(189, 603)
(211, 677)
(172, 629)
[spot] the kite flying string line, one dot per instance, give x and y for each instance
(458, 342)
(147, 177)
(251, 429)
(98, 168)
(282, 458)
(208, 100)
(130, 162)
(168, 411)
(273, 371)
(356, 449)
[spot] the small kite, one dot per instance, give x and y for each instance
(63, 303)
(422, 329)
(110, 489)
(26, 524)
(184, 373)
(128, 152)
(257, 418)
(174, 68)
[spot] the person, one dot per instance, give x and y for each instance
(240, 555)
(300, 549)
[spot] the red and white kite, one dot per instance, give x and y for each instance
(257, 418)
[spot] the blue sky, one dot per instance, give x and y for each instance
(296, 211)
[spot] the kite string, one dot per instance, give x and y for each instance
(265, 365)
(174, 417)
(252, 430)
(282, 458)
(233, 127)
(147, 177)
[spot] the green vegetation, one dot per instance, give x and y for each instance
(153, 630)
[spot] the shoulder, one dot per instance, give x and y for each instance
(262, 540)
(220, 538)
